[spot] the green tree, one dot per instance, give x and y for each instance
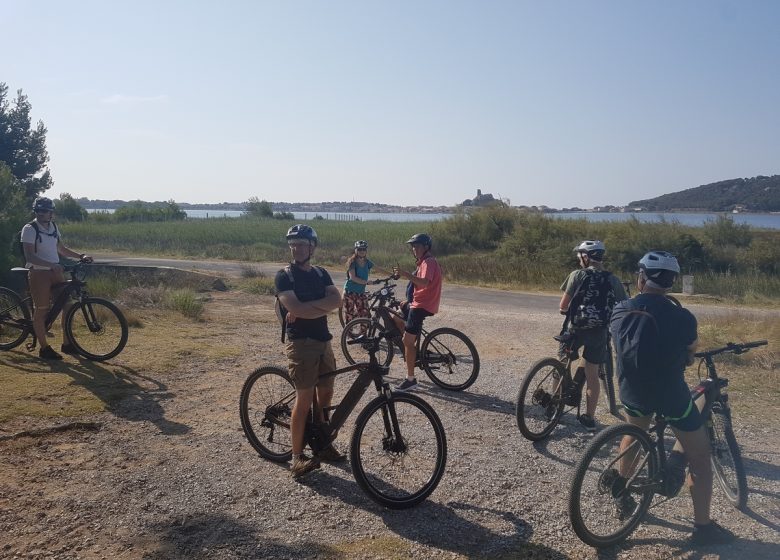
(258, 208)
(70, 210)
(14, 212)
(22, 147)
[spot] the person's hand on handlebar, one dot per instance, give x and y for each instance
(87, 259)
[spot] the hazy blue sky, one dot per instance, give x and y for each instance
(406, 102)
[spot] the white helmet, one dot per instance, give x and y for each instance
(593, 248)
(660, 267)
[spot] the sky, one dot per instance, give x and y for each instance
(406, 102)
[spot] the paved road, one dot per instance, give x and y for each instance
(452, 294)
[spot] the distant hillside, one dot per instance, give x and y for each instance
(757, 194)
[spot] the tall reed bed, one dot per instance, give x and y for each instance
(494, 246)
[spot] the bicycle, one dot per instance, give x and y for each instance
(446, 355)
(398, 449)
(378, 298)
(549, 387)
(96, 327)
(599, 488)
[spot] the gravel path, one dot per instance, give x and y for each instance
(170, 475)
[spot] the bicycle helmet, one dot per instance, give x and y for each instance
(422, 239)
(660, 268)
(361, 244)
(593, 248)
(302, 231)
(43, 204)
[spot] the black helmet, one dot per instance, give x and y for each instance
(361, 244)
(43, 204)
(302, 231)
(422, 239)
(660, 267)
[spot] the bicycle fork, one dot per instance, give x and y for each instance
(392, 442)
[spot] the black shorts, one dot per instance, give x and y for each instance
(595, 343)
(414, 317)
(687, 419)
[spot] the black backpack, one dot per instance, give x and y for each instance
(281, 310)
(17, 247)
(636, 338)
(593, 301)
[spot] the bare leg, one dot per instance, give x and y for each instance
(300, 412)
(697, 450)
(410, 350)
(593, 388)
(39, 326)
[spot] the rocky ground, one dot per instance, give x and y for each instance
(167, 472)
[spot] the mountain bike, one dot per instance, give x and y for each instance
(549, 390)
(446, 355)
(382, 297)
(398, 449)
(624, 466)
(96, 327)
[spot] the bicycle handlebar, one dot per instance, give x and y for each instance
(732, 347)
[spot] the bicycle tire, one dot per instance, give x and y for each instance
(726, 457)
(357, 353)
(14, 319)
(597, 487)
(96, 328)
(265, 408)
(398, 450)
(607, 376)
(450, 359)
(543, 385)
(341, 315)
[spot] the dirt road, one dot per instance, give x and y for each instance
(168, 473)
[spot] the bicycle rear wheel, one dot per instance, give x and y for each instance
(540, 402)
(14, 319)
(97, 328)
(356, 353)
(726, 457)
(450, 359)
(612, 486)
(265, 407)
(607, 377)
(398, 450)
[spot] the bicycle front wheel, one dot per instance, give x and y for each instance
(14, 319)
(727, 458)
(612, 486)
(398, 450)
(540, 403)
(357, 353)
(97, 329)
(265, 407)
(450, 359)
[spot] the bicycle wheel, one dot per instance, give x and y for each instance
(97, 328)
(14, 319)
(450, 359)
(398, 450)
(540, 403)
(726, 457)
(341, 315)
(265, 407)
(612, 487)
(356, 353)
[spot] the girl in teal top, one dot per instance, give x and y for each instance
(358, 268)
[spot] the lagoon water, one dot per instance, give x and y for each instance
(768, 221)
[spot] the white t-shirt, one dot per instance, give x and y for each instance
(46, 248)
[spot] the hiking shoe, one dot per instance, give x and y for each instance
(302, 465)
(625, 506)
(711, 533)
(331, 455)
(407, 385)
(68, 349)
(48, 353)
(587, 422)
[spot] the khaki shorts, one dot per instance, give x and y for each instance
(307, 359)
(41, 282)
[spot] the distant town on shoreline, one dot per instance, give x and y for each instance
(758, 194)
